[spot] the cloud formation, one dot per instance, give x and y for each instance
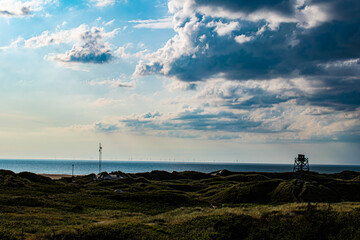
(15, 8)
(281, 70)
(285, 37)
(154, 23)
(272, 70)
(89, 44)
(115, 83)
(314, 40)
(250, 111)
(103, 3)
(91, 49)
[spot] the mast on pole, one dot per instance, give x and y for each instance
(100, 157)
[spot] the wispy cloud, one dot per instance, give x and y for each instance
(161, 23)
(115, 83)
(109, 22)
(14, 44)
(103, 3)
(101, 102)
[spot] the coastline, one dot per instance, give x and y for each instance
(88, 167)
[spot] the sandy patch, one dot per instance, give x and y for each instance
(58, 176)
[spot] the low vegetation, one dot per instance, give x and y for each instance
(181, 205)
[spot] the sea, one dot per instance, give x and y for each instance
(83, 167)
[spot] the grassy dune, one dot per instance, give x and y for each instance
(181, 205)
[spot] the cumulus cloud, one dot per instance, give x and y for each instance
(224, 28)
(300, 27)
(264, 40)
(15, 8)
(243, 39)
(89, 52)
(89, 44)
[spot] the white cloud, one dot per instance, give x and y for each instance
(89, 44)
(180, 86)
(243, 38)
(109, 22)
(181, 44)
(255, 125)
(75, 35)
(162, 23)
(103, 3)
(122, 53)
(349, 68)
(201, 28)
(14, 44)
(15, 8)
(102, 102)
(313, 15)
(115, 83)
(224, 28)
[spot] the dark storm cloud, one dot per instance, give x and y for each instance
(271, 54)
(340, 95)
(318, 42)
(265, 57)
(282, 6)
(342, 9)
(338, 40)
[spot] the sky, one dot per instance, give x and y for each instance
(184, 80)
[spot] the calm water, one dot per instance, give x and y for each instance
(87, 167)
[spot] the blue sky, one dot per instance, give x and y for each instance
(190, 80)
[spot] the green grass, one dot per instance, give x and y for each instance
(185, 205)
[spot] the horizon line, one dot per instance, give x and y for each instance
(171, 161)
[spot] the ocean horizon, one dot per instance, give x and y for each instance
(83, 167)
